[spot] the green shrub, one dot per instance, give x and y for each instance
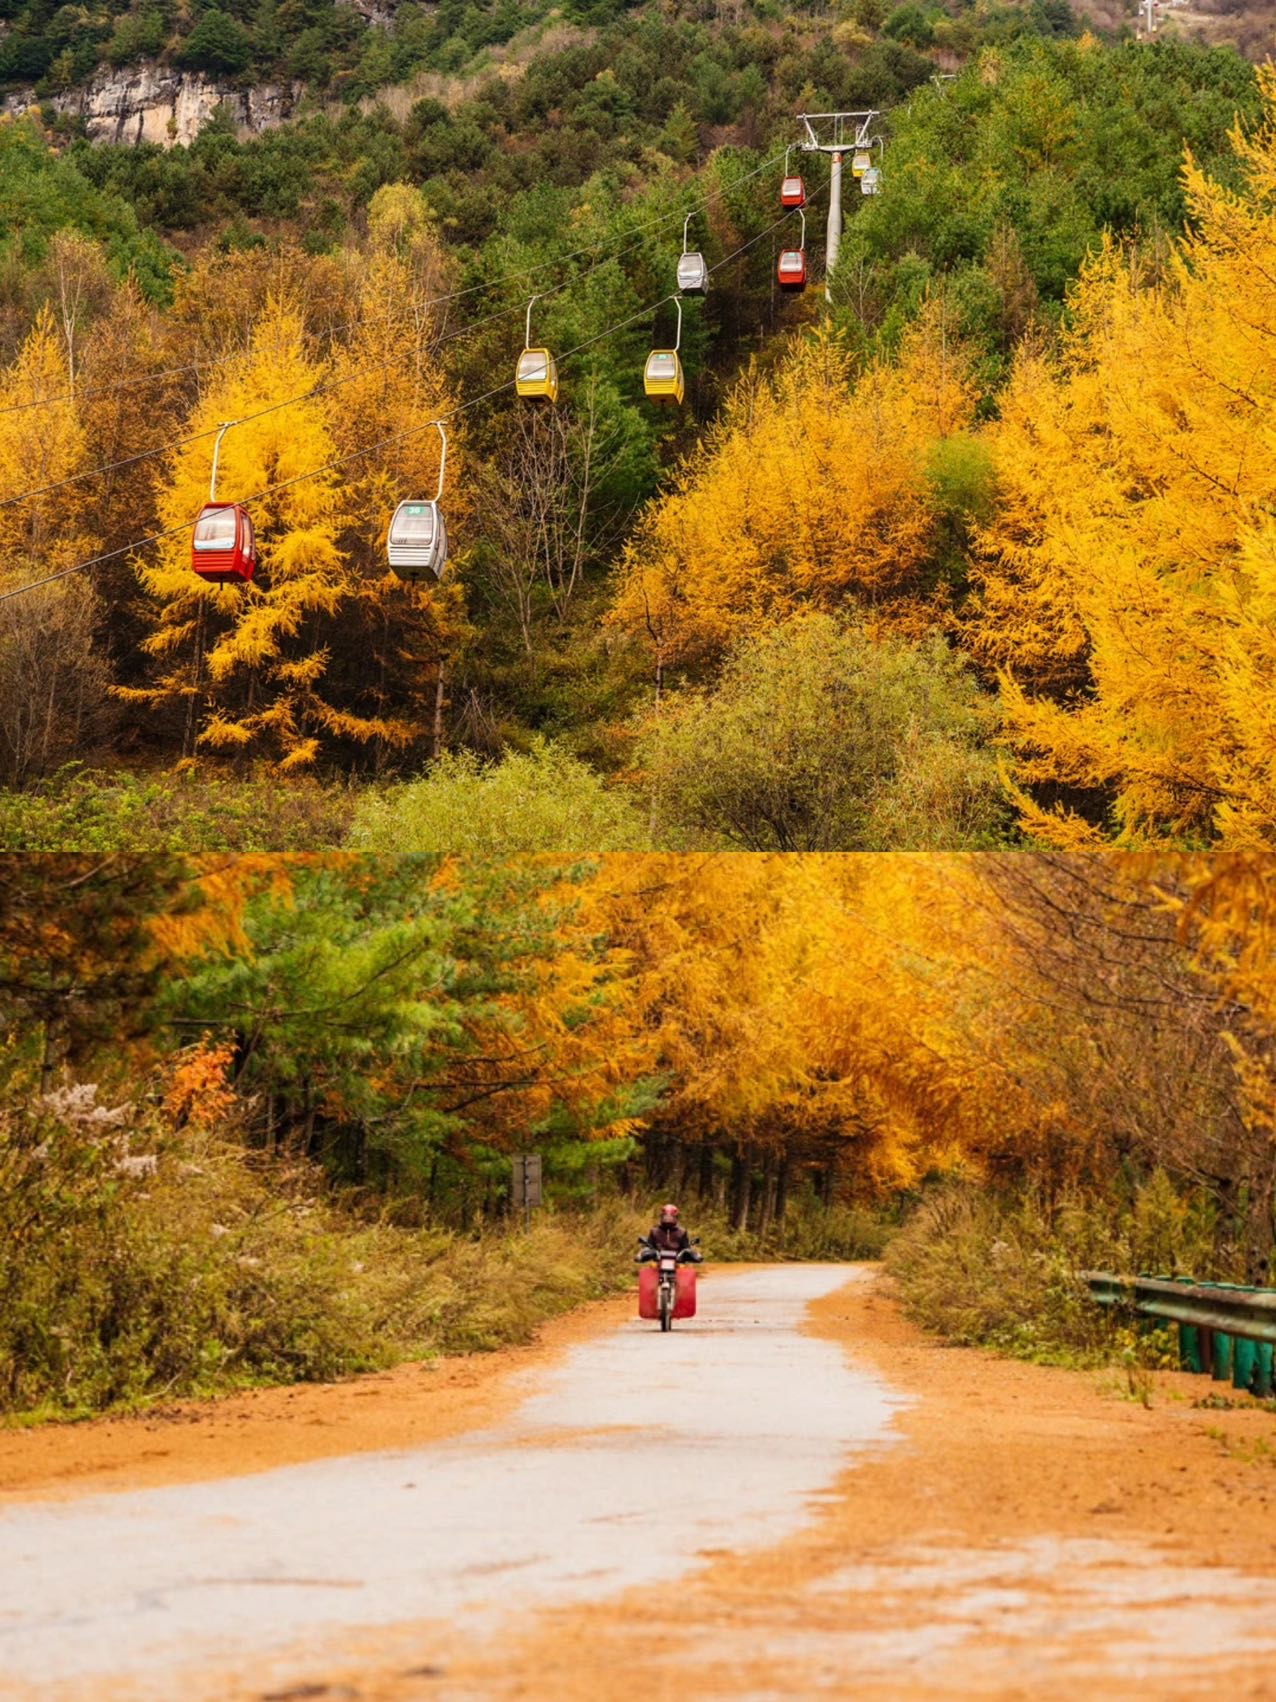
(83, 810)
(541, 800)
(188, 1266)
(819, 737)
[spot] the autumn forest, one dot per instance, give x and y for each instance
(295, 1084)
(972, 555)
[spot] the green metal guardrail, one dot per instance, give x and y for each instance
(1225, 1331)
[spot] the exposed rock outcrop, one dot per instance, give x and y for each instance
(157, 103)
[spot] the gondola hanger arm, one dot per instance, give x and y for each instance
(222, 429)
(442, 431)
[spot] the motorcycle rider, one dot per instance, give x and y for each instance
(668, 1236)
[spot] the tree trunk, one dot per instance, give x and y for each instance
(769, 1180)
(704, 1180)
(678, 1166)
(436, 740)
(48, 1060)
(782, 1188)
(828, 1182)
(741, 1188)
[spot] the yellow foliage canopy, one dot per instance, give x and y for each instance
(812, 489)
(42, 443)
(325, 644)
(1129, 581)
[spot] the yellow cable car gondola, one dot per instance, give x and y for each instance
(662, 377)
(536, 373)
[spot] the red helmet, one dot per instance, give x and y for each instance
(669, 1214)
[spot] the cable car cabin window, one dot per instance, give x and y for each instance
(533, 368)
(215, 530)
(414, 525)
(662, 364)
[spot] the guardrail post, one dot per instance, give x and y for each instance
(1222, 1367)
(1263, 1371)
(1189, 1343)
(1190, 1348)
(1244, 1362)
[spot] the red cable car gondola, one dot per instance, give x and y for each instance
(790, 271)
(792, 189)
(223, 544)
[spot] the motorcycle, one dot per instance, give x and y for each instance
(667, 1283)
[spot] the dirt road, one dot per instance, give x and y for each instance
(794, 1496)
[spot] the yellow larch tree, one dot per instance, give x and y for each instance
(775, 1022)
(42, 443)
(811, 490)
(53, 681)
(1129, 580)
(245, 667)
(388, 388)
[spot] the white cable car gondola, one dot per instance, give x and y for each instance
(693, 274)
(662, 378)
(416, 544)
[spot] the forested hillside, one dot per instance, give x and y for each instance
(856, 592)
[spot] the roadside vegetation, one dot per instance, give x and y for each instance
(1003, 1269)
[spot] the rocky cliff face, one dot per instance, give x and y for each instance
(155, 103)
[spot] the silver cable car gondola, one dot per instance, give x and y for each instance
(416, 544)
(693, 274)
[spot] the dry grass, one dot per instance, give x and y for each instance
(550, 35)
(983, 1270)
(215, 1270)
